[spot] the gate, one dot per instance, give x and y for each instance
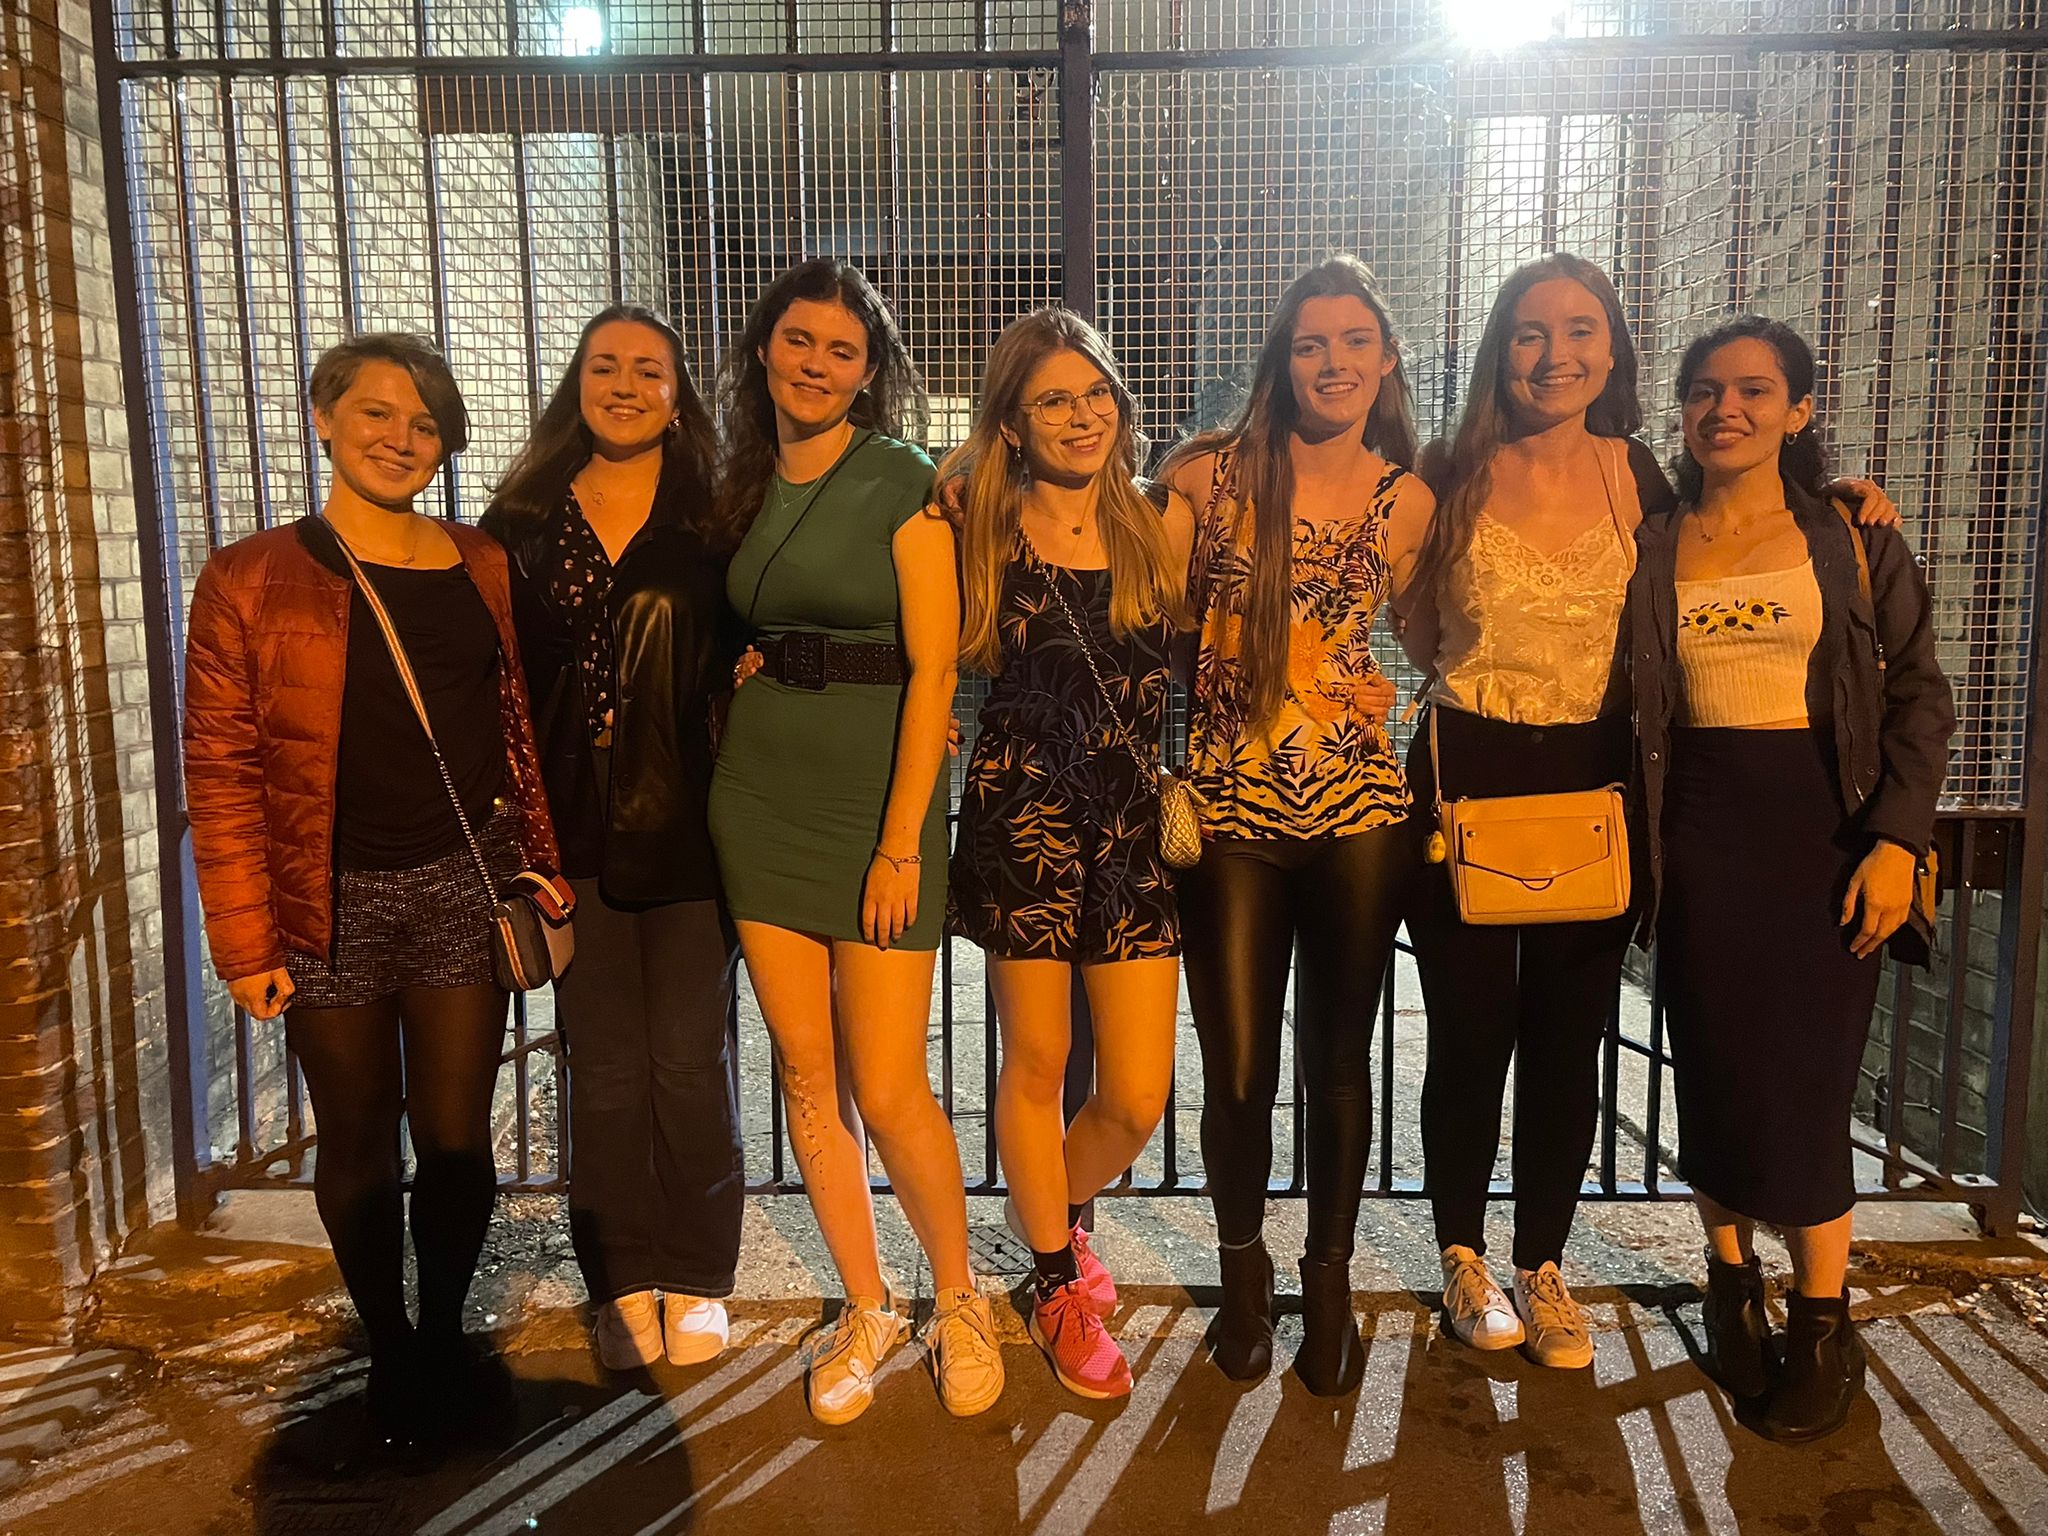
(493, 171)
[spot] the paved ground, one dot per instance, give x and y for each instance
(241, 1421)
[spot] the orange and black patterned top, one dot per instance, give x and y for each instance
(1314, 769)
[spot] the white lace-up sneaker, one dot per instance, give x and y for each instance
(629, 1331)
(1559, 1335)
(694, 1328)
(966, 1353)
(1476, 1309)
(841, 1382)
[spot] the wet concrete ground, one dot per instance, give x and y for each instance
(217, 1438)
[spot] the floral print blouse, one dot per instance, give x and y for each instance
(1314, 769)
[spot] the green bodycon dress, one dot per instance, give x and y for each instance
(803, 776)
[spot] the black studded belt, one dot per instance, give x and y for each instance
(804, 658)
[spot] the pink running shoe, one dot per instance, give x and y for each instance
(1096, 1285)
(1083, 1355)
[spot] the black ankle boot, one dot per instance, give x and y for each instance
(1822, 1370)
(1331, 1359)
(1241, 1337)
(1738, 1328)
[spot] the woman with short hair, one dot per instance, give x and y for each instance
(340, 886)
(619, 589)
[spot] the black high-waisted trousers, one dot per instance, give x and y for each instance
(1332, 906)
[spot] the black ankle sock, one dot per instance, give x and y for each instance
(1050, 1271)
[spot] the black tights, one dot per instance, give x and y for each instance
(1332, 904)
(430, 1055)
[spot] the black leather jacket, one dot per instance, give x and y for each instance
(643, 833)
(1891, 725)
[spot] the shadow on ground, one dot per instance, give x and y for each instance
(1954, 1438)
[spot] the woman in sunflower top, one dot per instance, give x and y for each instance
(1072, 590)
(1305, 505)
(1792, 718)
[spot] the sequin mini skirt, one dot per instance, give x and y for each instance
(429, 926)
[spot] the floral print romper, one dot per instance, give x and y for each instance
(1057, 855)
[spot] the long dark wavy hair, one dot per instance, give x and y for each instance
(1461, 471)
(1802, 460)
(536, 483)
(893, 403)
(1262, 473)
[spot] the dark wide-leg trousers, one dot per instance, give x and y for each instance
(656, 1184)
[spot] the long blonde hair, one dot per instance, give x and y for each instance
(993, 476)
(1262, 472)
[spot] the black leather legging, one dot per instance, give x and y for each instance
(1332, 905)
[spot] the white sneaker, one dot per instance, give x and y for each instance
(966, 1352)
(629, 1331)
(1476, 1309)
(1559, 1335)
(841, 1381)
(694, 1328)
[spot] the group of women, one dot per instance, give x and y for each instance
(705, 671)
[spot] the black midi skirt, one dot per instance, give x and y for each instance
(1767, 1010)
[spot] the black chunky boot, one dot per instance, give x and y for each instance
(1822, 1371)
(1241, 1337)
(1331, 1359)
(1738, 1328)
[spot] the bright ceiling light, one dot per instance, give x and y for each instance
(580, 31)
(1499, 24)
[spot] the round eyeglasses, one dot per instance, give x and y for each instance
(1056, 407)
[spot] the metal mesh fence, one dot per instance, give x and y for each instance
(465, 181)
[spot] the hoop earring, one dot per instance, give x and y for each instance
(1791, 438)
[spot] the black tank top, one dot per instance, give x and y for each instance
(390, 808)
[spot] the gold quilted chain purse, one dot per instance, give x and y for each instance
(1180, 822)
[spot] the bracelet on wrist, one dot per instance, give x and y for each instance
(907, 861)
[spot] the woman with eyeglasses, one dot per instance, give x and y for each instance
(1073, 586)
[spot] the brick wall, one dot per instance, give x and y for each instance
(84, 1119)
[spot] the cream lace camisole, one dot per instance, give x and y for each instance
(1744, 643)
(1530, 637)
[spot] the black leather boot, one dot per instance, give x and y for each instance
(1331, 1359)
(1822, 1370)
(1739, 1353)
(1241, 1337)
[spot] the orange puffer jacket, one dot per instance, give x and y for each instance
(265, 654)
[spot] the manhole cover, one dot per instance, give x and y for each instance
(997, 1252)
(312, 1515)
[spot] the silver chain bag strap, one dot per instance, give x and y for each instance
(1180, 823)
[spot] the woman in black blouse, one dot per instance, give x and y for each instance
(618, 574)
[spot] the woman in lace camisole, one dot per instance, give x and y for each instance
(1308, 849)
(1513, 604)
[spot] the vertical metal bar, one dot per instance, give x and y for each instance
(795, 190)
(1077, 157)
(2013, 363)
(1297, 1172)
(184, 969)
(295, 259)
(1610, 1101)
(437, 270)
(1960, 901)
(245, 1088)
(231, 145)
(522, 1143)
(529, 295)
(1553, 152)
(1653, 1112)
(946, 1026)
(1836, 224)
(1904, 996)
(990, 1045)
(338, 169)
(1741, 204)
(615, 229)
(1888, 274)
(1454, 250)
(1386, 1100)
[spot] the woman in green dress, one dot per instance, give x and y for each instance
(825, 808)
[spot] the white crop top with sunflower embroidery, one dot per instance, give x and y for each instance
(1743, 646)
